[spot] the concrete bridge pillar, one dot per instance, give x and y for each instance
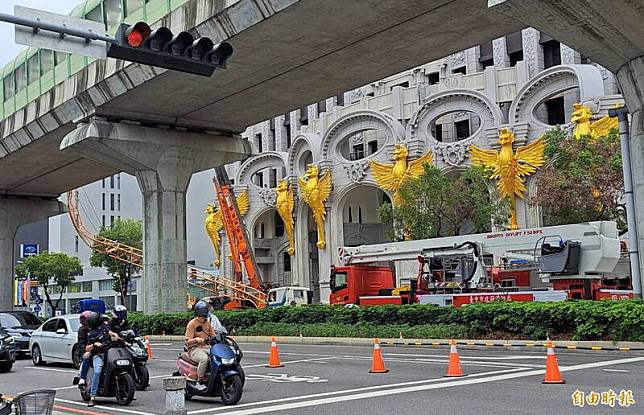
(163, 162)
(15, 212)
(631, 81)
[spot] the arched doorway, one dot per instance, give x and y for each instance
(270, 246)
(361, 224)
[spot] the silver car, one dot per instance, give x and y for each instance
(56, 341)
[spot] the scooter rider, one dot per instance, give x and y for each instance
(83, 331)
(198, 331)
(98, 335)
(119, 323)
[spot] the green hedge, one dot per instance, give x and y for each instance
(576, 320)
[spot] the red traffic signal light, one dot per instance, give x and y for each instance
(137, 34)
(181, 52)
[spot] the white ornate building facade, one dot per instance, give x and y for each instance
(526, 82)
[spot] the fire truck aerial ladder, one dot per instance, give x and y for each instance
(562, 255)
(243, 258)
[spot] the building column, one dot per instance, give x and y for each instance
(631, 81)
(163, 162)
(500, 53)
(532, 51)
(14, 212)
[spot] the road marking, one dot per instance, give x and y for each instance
(107, 408)
(617, 370)
(285, 378)
(52, 370)
(77, 411)
(366, 388)
(293, 361)
(380, 393)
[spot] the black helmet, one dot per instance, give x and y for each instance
(201, 309)
(120, 312)
(94, 320)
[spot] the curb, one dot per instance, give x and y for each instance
(347, 341)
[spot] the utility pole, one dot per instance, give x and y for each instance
(633, 239)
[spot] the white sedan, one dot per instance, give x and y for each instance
(56, 341)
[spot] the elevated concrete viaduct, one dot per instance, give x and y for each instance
(288, 53)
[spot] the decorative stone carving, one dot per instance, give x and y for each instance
(500, 53)
(531, 50)
(567, 55)
(457, 59)
(357, 138)
(268, 196)
(356, 95)
(357, 171)
(452, 154)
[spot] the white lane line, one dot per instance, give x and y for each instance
(52, 370)
(617, 370)
(292, 361)
(366, 388)
(107, 408)
(380, 393)
(465, 357)
(161, 344)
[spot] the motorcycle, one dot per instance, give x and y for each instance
(117, 376)
(224, 379)
(136, 346)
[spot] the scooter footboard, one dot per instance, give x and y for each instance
(229, 373)
(187, 369)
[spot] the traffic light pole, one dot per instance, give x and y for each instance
(62, 30)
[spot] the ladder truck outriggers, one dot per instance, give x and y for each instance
(541, 264)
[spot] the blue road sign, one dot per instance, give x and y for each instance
(27, 250)
(37, 309)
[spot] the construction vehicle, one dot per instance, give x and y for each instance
(243, 258)
(289, 296)
(540, 264)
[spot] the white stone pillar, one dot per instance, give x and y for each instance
(15, 212)
(569, 56)
(631, 81)
(532, 51)
(500, 53)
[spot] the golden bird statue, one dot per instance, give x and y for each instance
(284, 204)
(315, 191)
(583, 126)
(510, 168)
(391, 177)
(215, 223)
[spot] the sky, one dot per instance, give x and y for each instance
(8, 47)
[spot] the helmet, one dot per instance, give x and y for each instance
(93, 320)
(120, 311)
(84, 315)
(201, 309)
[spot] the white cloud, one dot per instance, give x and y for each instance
(8, 47)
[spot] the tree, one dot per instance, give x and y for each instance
(436, 205)
(582, 181)
(51, 268)
(127, 232)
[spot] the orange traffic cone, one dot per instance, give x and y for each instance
(148, 347)
(377, 363)
(274, 357)
(552, 367)
(454, 365)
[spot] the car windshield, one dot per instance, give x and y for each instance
(74, 323)
(17, 320)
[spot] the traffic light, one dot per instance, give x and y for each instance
(181, 52)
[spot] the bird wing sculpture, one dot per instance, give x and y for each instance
(510, 168)
(215, 223)
(315, 192)
(392, 176)
(602, 126)
(285, 203)
(416, 167)
(581, 117)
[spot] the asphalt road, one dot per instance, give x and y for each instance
(336, 380)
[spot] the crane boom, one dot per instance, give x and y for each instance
(238, 240)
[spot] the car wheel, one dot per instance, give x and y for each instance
(36, 356)
(5, 367)
(76, 356)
